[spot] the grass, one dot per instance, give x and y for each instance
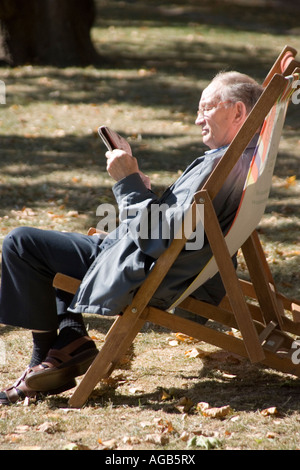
(156, 60)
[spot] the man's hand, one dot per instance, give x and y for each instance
(120, 164)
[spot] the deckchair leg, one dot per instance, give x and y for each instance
(121, 336)
(262, 280)
(230, 280)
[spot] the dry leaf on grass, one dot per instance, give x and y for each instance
(165, 395)
(195, 352)
(75, 446)
(160, 439)
(22, 428)
(290, 181)
(164, 426)
(213, 412)
(217, 412)
(131, 440)
(113, 382)
(185, 404)
(49, 427)
(184, 436)
(135, 390)
(29, 448)
(184, 338)
(202, 406)
(272, 411)
(110, 444)
(271, 435)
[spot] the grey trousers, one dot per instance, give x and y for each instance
(30, 259)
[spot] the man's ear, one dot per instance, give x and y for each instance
(240, 112)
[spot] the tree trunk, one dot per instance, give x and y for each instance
(52, 32)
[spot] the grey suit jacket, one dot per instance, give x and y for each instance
(127, 255)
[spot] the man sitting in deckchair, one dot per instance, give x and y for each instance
(113, 268)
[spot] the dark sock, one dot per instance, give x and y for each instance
(71, 327)
(73, 321)
(42, 342)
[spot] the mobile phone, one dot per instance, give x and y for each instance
(113, 140)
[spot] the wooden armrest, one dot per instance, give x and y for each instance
(66, 283)
(93, 230)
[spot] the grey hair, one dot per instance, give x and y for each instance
(236, 86)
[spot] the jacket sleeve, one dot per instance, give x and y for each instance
(136, 204)
(152, 221)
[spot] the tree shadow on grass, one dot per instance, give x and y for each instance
(272, 18)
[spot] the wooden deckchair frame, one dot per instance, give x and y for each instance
(264, 328)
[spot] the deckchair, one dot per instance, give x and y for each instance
(269, 326)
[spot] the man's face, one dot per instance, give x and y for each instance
(216, 118)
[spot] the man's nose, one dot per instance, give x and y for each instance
(199, 119)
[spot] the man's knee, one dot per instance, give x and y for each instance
(17, 239)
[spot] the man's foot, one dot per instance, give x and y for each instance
(62, 365)
(20, 390)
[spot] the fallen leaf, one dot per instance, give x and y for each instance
(22, 428)
(72, 214)
(235, 418)
(108, 445)
(165, 426)
(228, 376)
(290, 181)
(145, 424)
(272, 411)
(195, 352)
(29, 448)
(215, 412)
(165, 395)
(131, 440)
(202, 406)
(184, 338)
(185, 403)
(184, 436)
(14, 437)
(75, 446)
(134, 390)
(160, 439)
(49, 427)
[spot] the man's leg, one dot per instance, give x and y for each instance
(31, 258)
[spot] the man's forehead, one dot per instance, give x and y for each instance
(209, 94)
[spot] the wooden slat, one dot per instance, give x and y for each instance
(66, 283)
(229, 278)
(209, 311)
(261, 281)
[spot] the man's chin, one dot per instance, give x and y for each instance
(206, 141)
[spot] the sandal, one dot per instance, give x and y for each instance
(19, 390)
(62, 365)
